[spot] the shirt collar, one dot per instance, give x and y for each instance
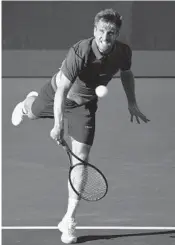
(97, 53)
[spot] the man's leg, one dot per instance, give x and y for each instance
(81, 129)
(35, 105)
(82, 151)
(67, 225)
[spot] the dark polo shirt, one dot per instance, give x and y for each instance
(87, 68)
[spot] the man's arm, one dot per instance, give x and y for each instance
(128, 82)
(64, 79)
(63, 86)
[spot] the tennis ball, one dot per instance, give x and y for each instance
(101, 91)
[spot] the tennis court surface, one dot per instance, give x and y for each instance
(138, 161)
(108, 237)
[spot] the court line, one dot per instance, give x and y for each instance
(115, 76)
(90, 228)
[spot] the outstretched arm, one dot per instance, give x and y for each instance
(128, 82)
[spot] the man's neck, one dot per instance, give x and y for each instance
(108, 51)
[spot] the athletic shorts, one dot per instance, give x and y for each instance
(81, 119)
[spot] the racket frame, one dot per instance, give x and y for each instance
(82, 162)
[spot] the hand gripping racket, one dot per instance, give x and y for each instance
(87, 181)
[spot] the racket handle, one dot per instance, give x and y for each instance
(63, 144)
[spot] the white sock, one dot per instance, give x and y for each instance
(23, 108)
(71, 209)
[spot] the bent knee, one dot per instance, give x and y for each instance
(80, 150)
(82, 155)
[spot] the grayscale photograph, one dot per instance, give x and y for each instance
(88, 122)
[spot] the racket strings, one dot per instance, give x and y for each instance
(88, 182)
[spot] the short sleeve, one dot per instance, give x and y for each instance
(126, 59)
(72, 64)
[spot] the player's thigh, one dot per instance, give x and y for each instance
(82, 127)
(81, 150)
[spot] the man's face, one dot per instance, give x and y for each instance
(105, 35)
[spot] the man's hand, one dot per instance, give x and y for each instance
(57, 134)
(135, 112)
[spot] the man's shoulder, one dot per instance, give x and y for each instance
(123, 47)
(122, 44)
(83, 46)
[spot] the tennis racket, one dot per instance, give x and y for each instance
(86, 180)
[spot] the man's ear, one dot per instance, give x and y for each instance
(118, 34)
(95, 29)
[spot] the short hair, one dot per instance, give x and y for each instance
(109, 15)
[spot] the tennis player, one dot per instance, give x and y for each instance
(71, 94)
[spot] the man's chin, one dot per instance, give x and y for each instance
(105, 50)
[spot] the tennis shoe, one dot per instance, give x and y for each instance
(19, 111)
(18, 114)
(67, 227)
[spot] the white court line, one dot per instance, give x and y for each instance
(89, 228)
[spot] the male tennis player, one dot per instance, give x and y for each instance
(71, 94)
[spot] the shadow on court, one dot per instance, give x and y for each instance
(109, 237)
(83, 239)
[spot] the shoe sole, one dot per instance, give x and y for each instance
(13, 113)
(68, 241)
(65, 240)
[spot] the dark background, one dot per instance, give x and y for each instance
(57, 25)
